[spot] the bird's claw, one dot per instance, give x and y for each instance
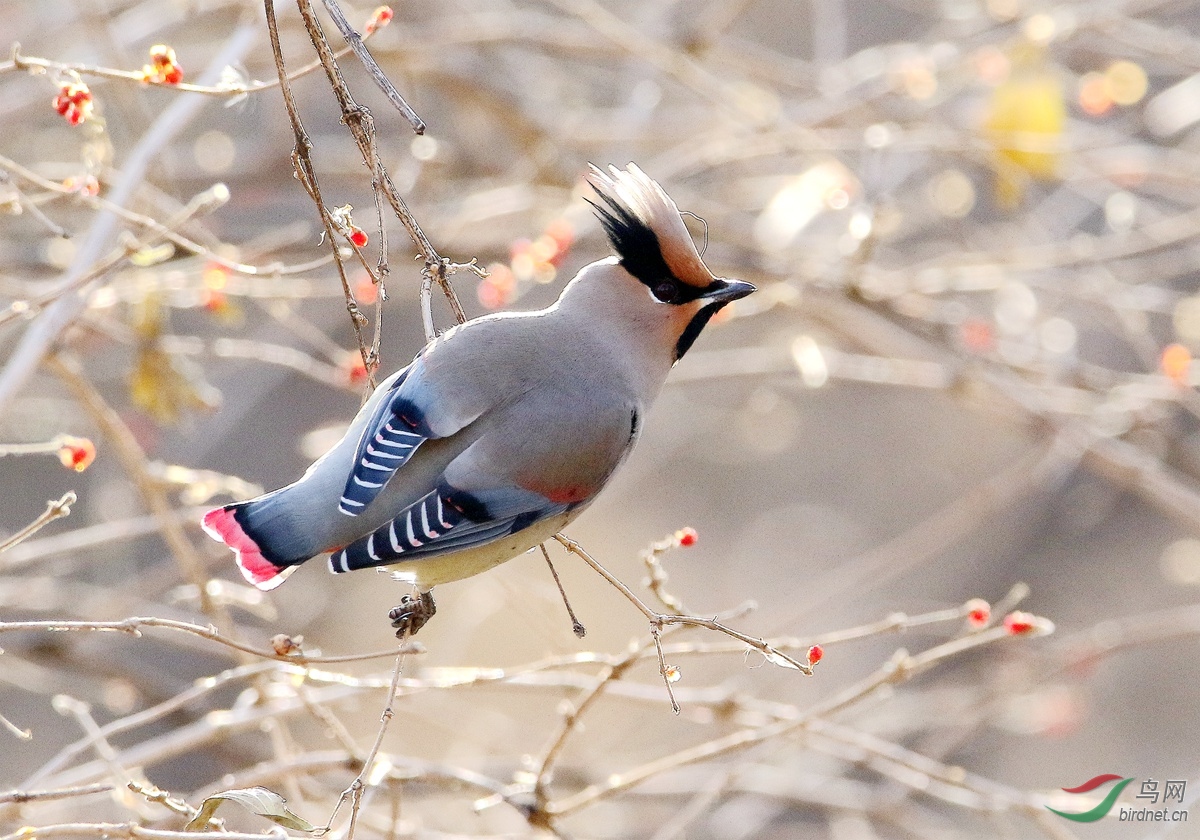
(412, 613)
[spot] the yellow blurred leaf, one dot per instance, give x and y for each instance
(165, 387)
(161, 384)
(1025, 122)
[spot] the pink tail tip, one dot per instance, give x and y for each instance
(222, 526)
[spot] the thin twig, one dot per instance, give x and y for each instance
(54, 510)
(126, 831)
(134, 460)
(167, 232)
(570, 723)
(230, 89)
(664, 619)
(147, 716)
(665, 670)
(579, 630)
(13, 729)
(899, 668)
(66, 705)
(356, 789)
(361, 124)
(132, 626)
(657, 580)
(20, 796)
(306, 173)
(356, 43)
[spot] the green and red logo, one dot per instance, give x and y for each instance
(1101, 810)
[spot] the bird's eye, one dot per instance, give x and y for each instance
(667, 291)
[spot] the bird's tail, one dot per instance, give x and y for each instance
(266, 547)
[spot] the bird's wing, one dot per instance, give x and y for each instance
(535, 458)
(411, 413)
(446, 520)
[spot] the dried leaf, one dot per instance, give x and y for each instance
(166, 386)
(258, 800)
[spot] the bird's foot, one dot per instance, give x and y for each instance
(412, 613)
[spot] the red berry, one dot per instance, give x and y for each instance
(1018, 623)
(76, 453)
(686, 537)
(1176, 363)
(365, 290)
(214, 300)
(977, 335)
(563, 233)
(380, 18)
(979, 612)
(358, 236)
(815, 654)
(357, 370)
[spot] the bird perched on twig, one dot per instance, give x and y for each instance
(503, 429)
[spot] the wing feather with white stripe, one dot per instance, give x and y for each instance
(445, 520)
(390, 438)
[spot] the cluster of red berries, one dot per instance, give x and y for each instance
(1016, 623)
(163, 68)
(74, 99)
(380, 18)
(533, 261)
(74, 102)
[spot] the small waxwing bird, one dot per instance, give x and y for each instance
(503, 429)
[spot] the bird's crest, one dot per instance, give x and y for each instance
(645, 228)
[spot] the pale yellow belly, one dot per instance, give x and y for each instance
(428, 572)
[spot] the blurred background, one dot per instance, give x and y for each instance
(973, 224)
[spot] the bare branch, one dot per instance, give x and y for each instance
(54, 510)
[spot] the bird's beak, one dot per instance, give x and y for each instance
(726, 291)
